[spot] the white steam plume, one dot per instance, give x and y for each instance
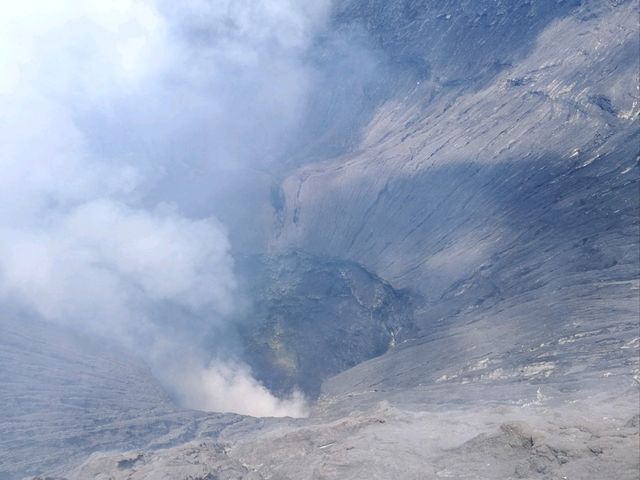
(107, 103)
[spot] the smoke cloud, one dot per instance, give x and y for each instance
(228, 386)
(111, 110)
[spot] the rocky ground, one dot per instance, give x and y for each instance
(539, 439)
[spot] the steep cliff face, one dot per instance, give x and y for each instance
(448, 178)
(509, 199)
(453, 42)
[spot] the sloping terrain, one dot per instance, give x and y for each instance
(448, 178)
(64, 396)
(511, 206)
(476, 252)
